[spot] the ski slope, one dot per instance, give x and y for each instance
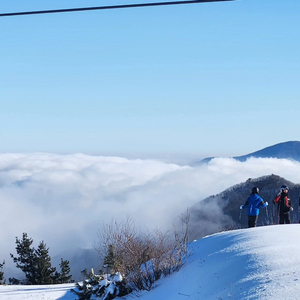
(256, 263)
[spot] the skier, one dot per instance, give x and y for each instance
(284, 205)
(253, 203)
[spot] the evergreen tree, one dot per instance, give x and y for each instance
(45, 273)
(26, 258)
(109, 260)
(64, 275)
(1, 272)
(36, 263)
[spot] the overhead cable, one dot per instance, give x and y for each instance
(106, 7)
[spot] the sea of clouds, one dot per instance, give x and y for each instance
(65, 199)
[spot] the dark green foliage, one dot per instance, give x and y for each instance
(14, 281)
(109, 260)
(64, 275)
(85, 290)
(36, 263)
(26, 260)
(1, 272)
(45, 273)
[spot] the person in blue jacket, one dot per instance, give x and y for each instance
(253, 204)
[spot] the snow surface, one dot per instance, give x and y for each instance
(255, 263)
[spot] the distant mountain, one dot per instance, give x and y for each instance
(221, 212)
(79, 259)
(288, 150)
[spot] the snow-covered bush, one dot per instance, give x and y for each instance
(102, 287)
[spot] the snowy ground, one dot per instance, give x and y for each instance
(41, 292)
(256, 263)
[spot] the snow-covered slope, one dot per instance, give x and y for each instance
(257, 263)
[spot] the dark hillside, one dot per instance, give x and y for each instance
(221, 212)
(288, 150)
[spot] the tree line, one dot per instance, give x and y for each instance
(132, 260)
(36, 265)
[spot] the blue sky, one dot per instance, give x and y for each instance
(213, 79)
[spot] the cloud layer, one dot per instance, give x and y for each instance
(64, 199)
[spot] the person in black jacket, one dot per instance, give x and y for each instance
(284, 205)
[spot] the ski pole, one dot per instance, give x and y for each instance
(292, 212)
(240, 216)
(267, 216)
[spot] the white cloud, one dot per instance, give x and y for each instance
(64, 199)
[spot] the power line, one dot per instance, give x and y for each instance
(105, 7)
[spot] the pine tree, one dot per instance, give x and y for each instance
(26, 258)
(109, 260)
(36, 263)
(64, 275)
(45, 273)
(1, 272)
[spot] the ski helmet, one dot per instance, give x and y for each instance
(255, 190)
(284, 187)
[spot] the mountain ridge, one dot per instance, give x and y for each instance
(287, 150)
(221, 211)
